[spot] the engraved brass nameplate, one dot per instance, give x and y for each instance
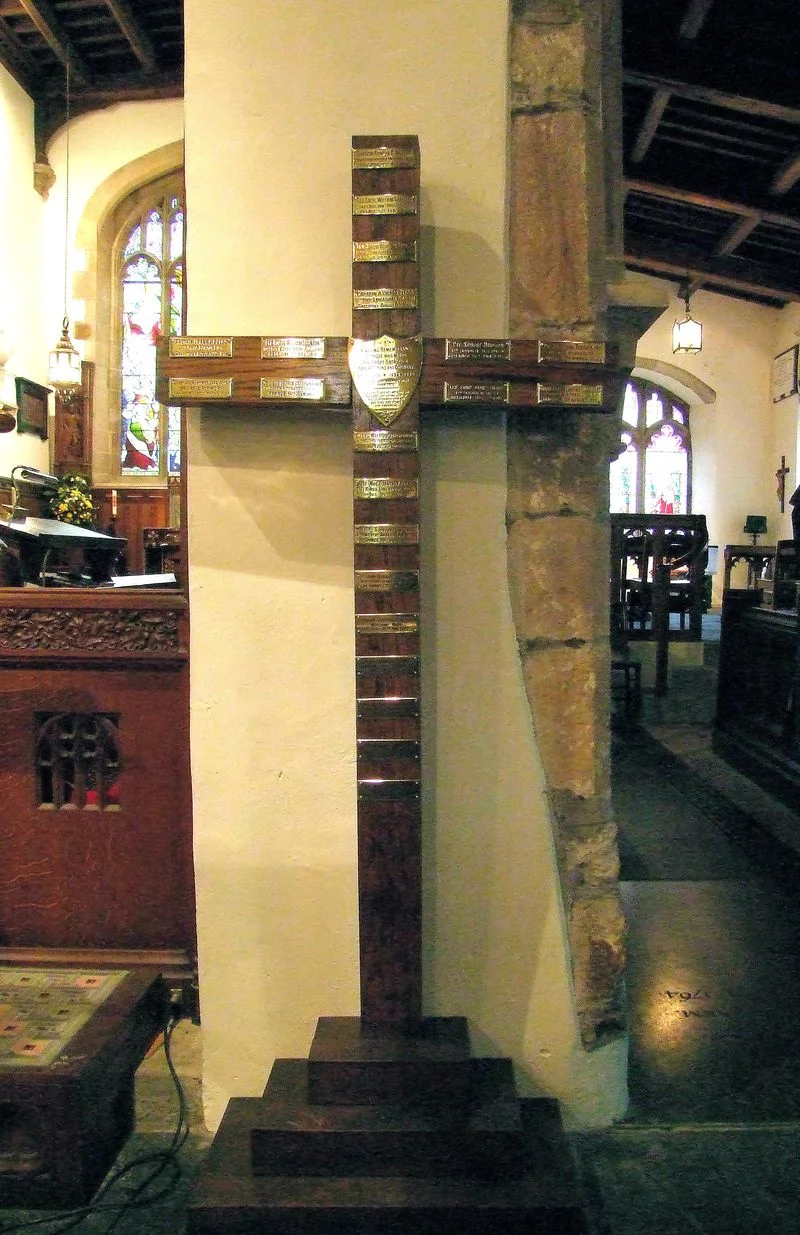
(292, 389)
(200, 388)
(385, 373)
(573, 395)
(475, 350)
(292, 347)
(385, 203)
(386, 580)
(572, 351)
(375, 487)
(201, 347)
(365, 157)
(381, 441)
(386, 298)
(387, 623)
(386, 534)
(384, 250)
(476, 392)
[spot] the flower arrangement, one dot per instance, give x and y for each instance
(72, 501)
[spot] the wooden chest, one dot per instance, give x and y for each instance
(62, 1124)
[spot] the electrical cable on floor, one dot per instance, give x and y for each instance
(159, 1161)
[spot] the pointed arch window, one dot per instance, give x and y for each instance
(653, 474)
(150, 292)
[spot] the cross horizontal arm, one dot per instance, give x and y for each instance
(275, 371)
(253, 370)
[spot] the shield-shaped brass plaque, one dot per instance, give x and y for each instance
(385, 372)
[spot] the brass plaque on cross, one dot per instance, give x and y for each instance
(385, 372)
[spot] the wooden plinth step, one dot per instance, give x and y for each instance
(482, 1138)
(545, 1199)
(353, 1063)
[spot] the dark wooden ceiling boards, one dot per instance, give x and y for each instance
(711, 123)
(115, 50)
(711, 119)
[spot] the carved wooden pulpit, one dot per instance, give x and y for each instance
(392, 1057)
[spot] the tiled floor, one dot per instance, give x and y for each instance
(711, 1142)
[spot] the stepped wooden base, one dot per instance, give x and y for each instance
(351, 1062)
(414, 1151)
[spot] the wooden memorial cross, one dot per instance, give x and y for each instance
(383, 375)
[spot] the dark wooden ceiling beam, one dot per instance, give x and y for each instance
(696, 13)
(49, 27)
(15, 57)
(163, 86)
(49, 111)
(650, 122)
(694, 18)
(704, 200)
(787, 176)
(735, 274)
(715, 98)
(736, 236)
(134, 33)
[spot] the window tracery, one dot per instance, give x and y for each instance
(653, 473)
(149, 279)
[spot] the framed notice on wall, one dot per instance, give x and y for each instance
(784, 374)
(32, 407)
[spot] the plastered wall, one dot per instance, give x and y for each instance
(269, 115)
(21, 270)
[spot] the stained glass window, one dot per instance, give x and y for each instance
(151, 305)
(653, 472)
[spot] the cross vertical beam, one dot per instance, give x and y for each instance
(385, 362)
(382, 376)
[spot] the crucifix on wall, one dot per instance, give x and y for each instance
(382, 377)
(780, 476)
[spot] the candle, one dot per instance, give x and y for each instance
(113, 503)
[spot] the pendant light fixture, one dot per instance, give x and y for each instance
(64, 367)
(687, 334)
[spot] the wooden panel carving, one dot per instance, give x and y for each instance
(77, 761)
(81, 873)
(72, 448)
(97, 630)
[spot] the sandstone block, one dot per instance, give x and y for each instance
(557, 568)
(562, 686)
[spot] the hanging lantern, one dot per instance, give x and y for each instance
(64, 364)
(687, 334)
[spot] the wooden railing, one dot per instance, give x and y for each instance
(657, 569)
